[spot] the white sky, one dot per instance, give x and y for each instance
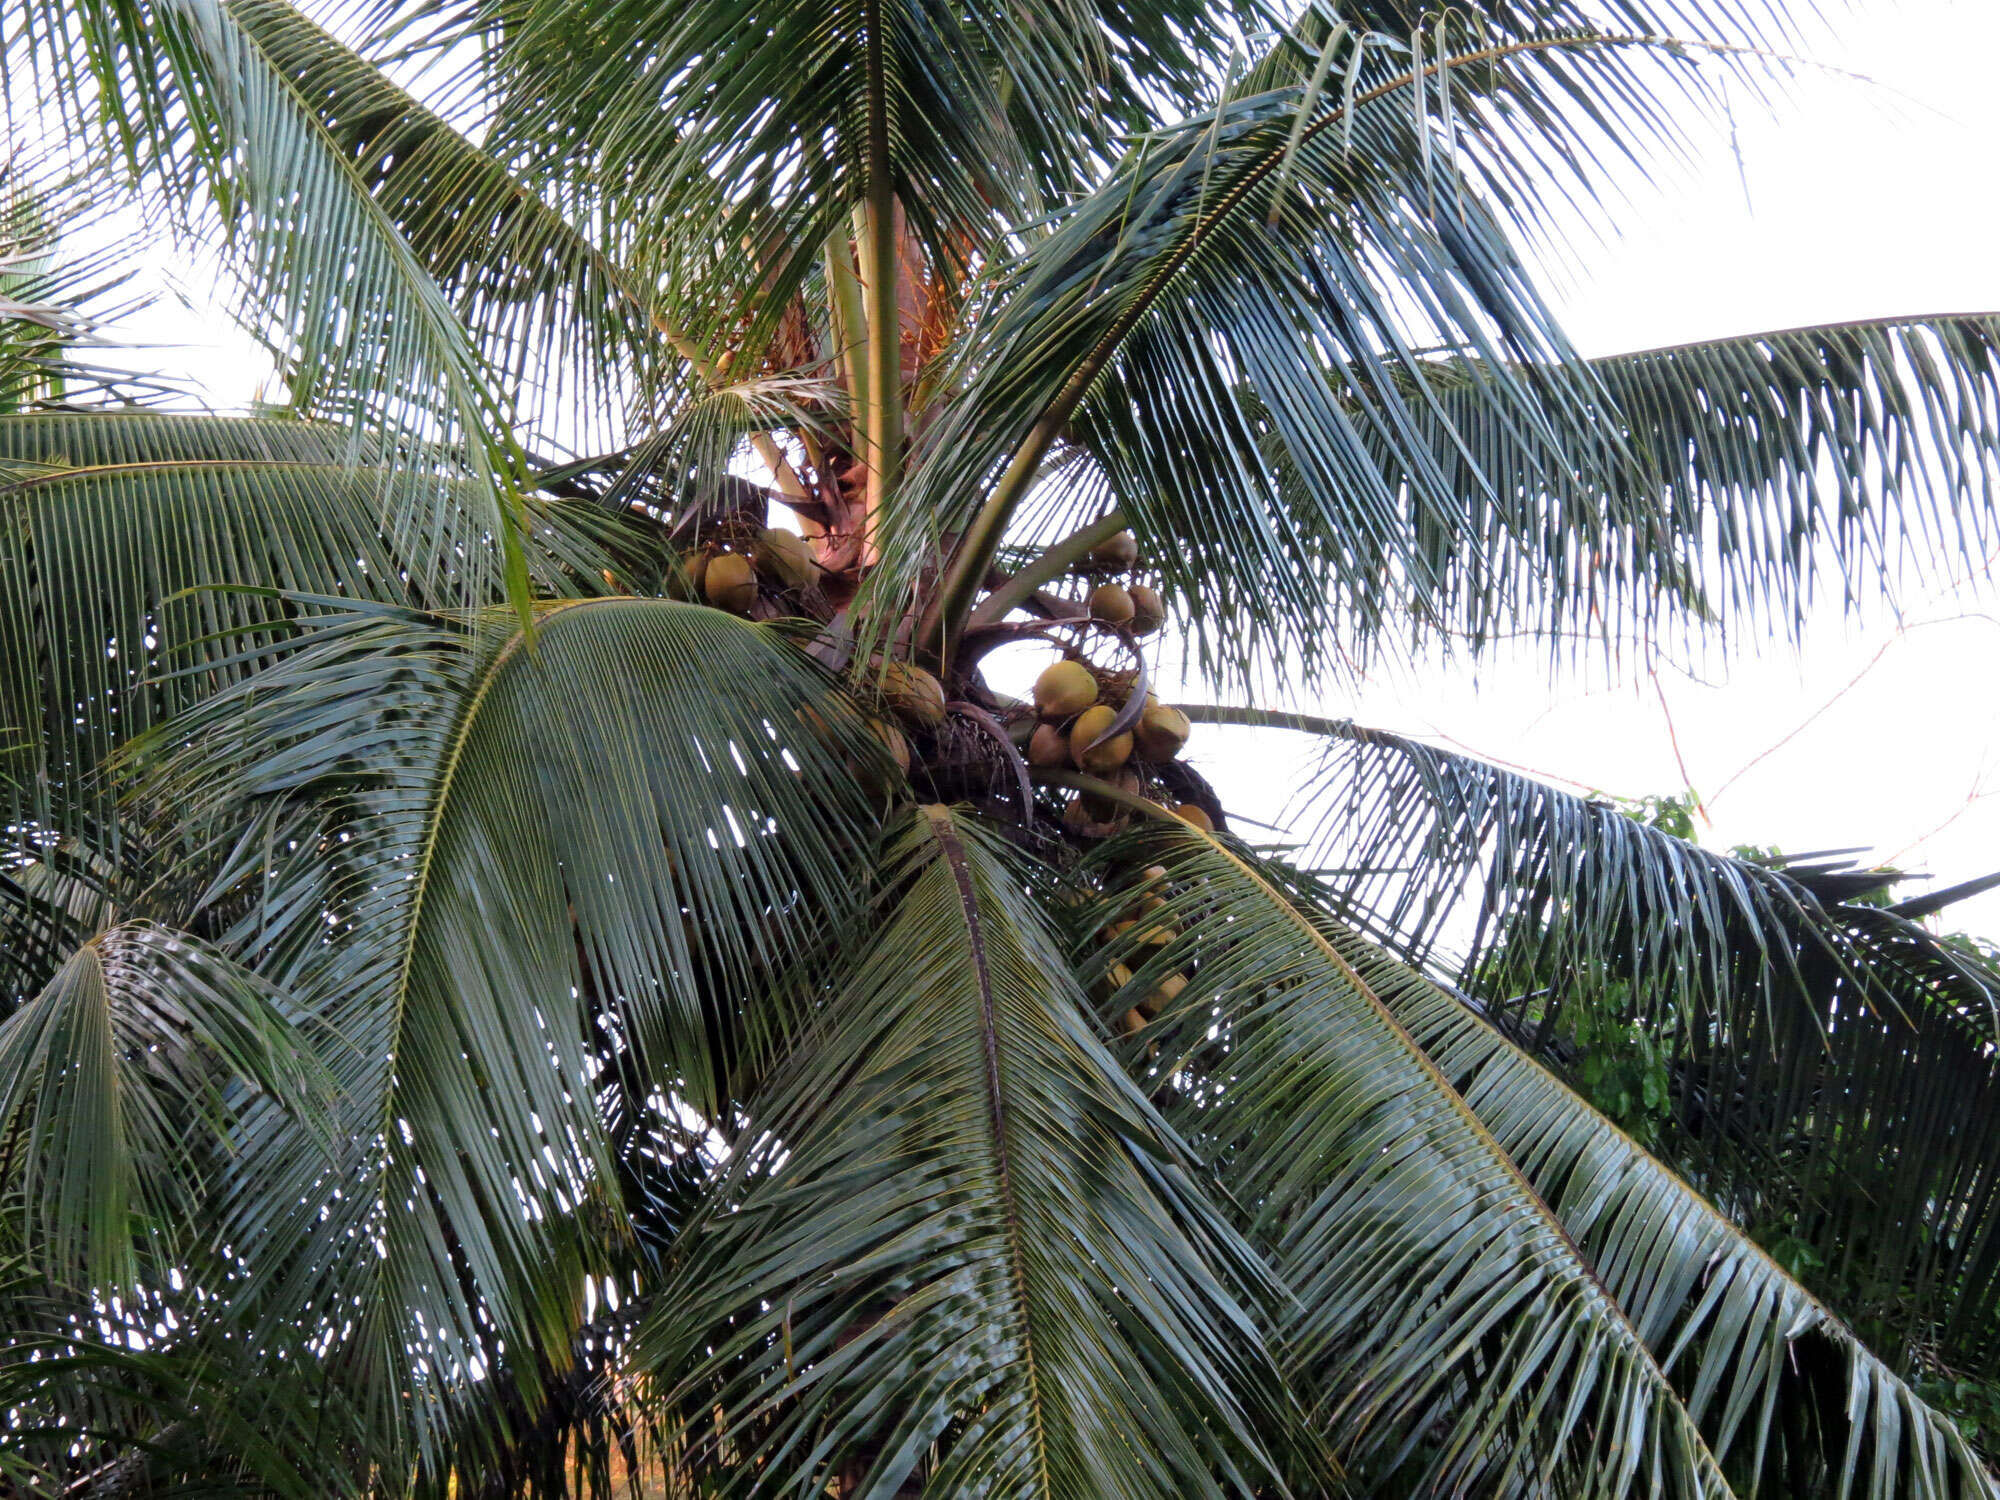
(1856, 201)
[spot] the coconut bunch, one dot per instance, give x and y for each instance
(1116, 597)
(1132, 941)
(1086, 718)
(737, 569)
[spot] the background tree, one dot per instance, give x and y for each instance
(519, 971)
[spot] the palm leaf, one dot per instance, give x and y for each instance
(1496, 1288)
(210, 120)
(108, 1080)
(1832, 1066)
(956, 1242)
(133, 549)
(605, 857)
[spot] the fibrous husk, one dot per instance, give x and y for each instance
(785, 558)
(1111, 603)
(1161, 731)
(1120, 551)
(1098, 758)
(914, 694)
(730, 582)
(1064, 689)
(1048, 747)
(1149, 611)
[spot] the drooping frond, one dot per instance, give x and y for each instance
(571, 333)
(1852, 461)
(493, 869)
(120, 1086)
(1258, 283)
(202, 109)
(1831, 1067)
(956, 1248)
(1495, 1288)
(137, 555)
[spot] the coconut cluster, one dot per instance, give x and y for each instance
(1141, 932)
(1116, 598)
(733, 572)
(1077, 707)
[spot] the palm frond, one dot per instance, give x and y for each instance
(1832, 1067)
(206, 116)
(1496, 1289)
(492, 869)
(109, 1079)
(138, 554)
(955, 1242)
(716, 131)
(1264, 276)
(558, 322)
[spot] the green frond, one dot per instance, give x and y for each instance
(1495, 1288)
(562, 327)
(137, 555)
(118, 1088)
(196, 100)
(494, 869)
(1827, 1069)
(954, 1246)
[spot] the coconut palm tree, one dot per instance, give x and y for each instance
(535, 954)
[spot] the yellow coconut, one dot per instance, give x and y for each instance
(1090, 756)
(730, 582)
(785, 558)
(688, 585)
(1161, 731)
(1110, 603)
(1135, 1022)
(1064, 689)
(1048, 747)
(914, 694)
(1149, 613)
(1165, 993)
(1188, 812)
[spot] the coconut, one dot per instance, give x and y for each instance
(898, 747)
(785, 558)
(1135, 1022)
(1111, 603)
(1120, 551)
(1161, 731)
(1064, 689)
(1096, 758)
(1165, 993)
(688, 583)
(1048, 747)
(914, 694)
(1077, 819)
(1149, 612)
(1188, 812)
(730, 582)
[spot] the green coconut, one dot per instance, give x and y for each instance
(1149, 612)
(1161, 731)
(1111, 603)
(914, 694)
(785, 558)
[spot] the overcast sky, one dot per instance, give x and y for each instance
(1857, 200)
